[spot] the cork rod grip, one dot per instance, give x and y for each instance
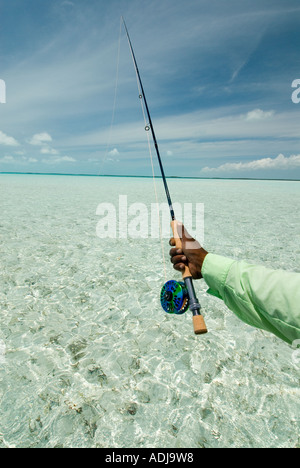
(199, 325)
(198, 320)
(174, 224)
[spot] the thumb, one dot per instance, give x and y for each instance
(183, 233)
(188, 241)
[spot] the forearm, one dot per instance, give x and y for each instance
(261, 297)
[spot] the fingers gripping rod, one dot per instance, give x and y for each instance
(195, 307)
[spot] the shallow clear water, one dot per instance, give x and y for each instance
(87, 356)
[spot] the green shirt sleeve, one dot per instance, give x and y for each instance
(261, 297)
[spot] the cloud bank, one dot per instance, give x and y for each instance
(36, 145)
(280, 163)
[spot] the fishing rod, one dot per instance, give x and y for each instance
(176, 297)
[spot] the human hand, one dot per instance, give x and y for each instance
(191, 254)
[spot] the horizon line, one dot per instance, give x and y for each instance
(145, 176)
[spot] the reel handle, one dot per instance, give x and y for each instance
(198, 320)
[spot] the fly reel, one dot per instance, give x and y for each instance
(174, 297)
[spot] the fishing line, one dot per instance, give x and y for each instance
(147, 128)
(155, 191)
(115, 96)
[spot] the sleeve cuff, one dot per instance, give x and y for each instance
(215, 269)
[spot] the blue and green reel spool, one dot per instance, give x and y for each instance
(174, 297)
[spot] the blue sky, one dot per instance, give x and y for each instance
(217, 74)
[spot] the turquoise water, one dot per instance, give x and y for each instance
(87, 356)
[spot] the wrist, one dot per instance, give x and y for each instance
(202, 254)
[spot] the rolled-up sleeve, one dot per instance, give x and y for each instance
(261, 297)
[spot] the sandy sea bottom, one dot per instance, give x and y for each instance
(87, 356)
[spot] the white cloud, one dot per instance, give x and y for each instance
(7, 140)
(114, 152)
(68, 3)
(42, 140)
(67, 159)
(281, 162)
(113, 156)
(8, 159)
(48, 150)
(258, 114)
(59, 160)
(39, 139)
(222, 123)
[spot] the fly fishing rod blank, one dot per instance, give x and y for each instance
(175, 298)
